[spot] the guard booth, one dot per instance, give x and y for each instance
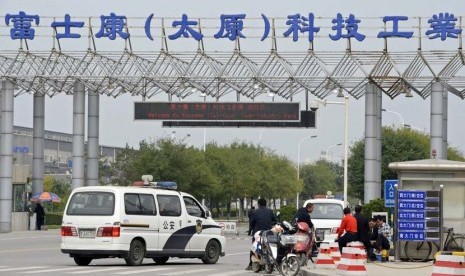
(429, 174)
(20, 212)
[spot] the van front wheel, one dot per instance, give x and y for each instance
(136, 253)
(212, 253)
(82, 261)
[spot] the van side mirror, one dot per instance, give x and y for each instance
(208, 214)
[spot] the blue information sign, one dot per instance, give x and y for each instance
(412, 225)
(412, 195)
(412, 236)
(412, 205)
(411, 215)
(389, 192)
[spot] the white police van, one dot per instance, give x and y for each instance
(326, 218)
(136, 223)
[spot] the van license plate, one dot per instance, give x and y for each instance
(87, 234)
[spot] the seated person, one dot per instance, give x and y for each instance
(384, 234)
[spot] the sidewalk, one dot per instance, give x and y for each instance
(381, 269)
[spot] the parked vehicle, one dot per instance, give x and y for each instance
(138, 222)
(274, 250)
(326, 217)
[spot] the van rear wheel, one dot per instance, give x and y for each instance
(136, 253)
(82, 261)
(212, 253)
(160, 260)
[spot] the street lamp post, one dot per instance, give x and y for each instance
(298, 163)
(346, 135)
(397, 114)
(402, 120)
(414, 127)
(332, 146)
(204, 95)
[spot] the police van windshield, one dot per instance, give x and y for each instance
(91, 204)
(327, 211)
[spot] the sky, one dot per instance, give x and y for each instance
(118, 128)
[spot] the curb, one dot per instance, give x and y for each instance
(308, 272)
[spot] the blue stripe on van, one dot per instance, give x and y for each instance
(180, 238)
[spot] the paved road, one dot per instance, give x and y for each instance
(38, 253)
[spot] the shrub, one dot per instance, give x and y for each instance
(375, 205)
(287, 213)
(53, 218)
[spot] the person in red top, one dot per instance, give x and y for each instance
(349, 225)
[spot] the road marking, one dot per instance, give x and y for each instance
(97, 270)
(228, 273)
(22, 268)
(51, 270)
(28, 250)
(141, 271)
(187, 272)
(233, 254)
(23, 238)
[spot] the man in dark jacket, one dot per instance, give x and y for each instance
(262, 219)
(363, 232)
(303, 215)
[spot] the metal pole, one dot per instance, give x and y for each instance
(372, 189)
(93, 138)
(38, 143)
(444, 123)
(379, 134)
(396, 238)
(79, 105)
(6, 157)
(436, 139)
(346, 146)
(204, 139)
(441, 218)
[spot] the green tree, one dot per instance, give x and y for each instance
(375, 205)
(398, 145)
(318, 178)
(221, 174)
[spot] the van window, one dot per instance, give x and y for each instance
(91, 204)
(169, 205)
(193, 207)
(327, 211)
(139, 204)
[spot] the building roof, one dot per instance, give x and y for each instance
(428, 165)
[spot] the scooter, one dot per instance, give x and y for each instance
(267, 247)
(305, 240)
